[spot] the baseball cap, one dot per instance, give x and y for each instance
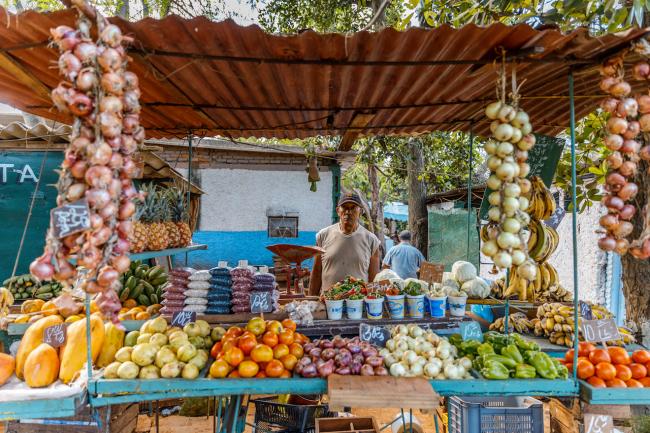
(350, 197)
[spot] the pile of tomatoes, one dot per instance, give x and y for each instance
(612, 367)
(261, 349)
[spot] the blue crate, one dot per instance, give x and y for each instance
(495, 415)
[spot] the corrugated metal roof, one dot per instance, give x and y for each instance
(219, 78)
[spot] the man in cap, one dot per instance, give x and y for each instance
(404, 259)
(350, 249)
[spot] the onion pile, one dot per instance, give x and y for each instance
(345, 356)
(508, 153)
(103, 99)
(629, 117)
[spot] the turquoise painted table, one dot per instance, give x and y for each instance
(37, 409)
(613, 396)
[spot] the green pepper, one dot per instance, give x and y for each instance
(495, 370)
(467, 347)
(512, 352)
(524, 344)
(456, 339)
(508, 362)
(525, 371)
(485, 349)
(477, 363)
(543, 364)
(562, 370)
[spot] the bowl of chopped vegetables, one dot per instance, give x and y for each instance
(374, 304)
(395, 301)
(415, 299)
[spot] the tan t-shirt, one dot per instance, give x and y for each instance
(345, 254)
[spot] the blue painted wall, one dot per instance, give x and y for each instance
(235, 246)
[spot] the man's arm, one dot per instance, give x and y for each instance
(387, 260)
(373, 268)
(315, 279)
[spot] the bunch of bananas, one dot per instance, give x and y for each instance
(556, 321)
(516, 322)
(143, 284)
(545, 288)
(542, 241)
(6, 301)
(541, 202)
(26, 287)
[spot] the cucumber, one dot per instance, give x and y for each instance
(47, 288)
(144, 300)
(44, 296)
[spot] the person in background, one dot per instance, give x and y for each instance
(350, 249)
(404, 259)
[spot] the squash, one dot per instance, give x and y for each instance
(7, 367)
(41, 366)
(32, 339)
(113, 341)
(73, 352)
(73, 318)
(49, 309)
(32, 306)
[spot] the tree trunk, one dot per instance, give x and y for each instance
(377, 208)
(418, 219)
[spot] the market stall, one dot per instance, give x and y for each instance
(205, 358)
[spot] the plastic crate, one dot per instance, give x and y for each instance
(271, 416)
(495, 415)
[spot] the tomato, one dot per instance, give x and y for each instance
(286, 374)
(261, 375)
(599, 355)
(645, 382)
(247, 344)
(641, 356)
(274, 368)
(274, 326)
(619, 355)
(301, 339)
(605, 370)
(623, 372)
(615, 383)
(270, 339)
(638, 371)
(584, 348)
(289, 324)
(219, 369)
(286, 337)
(248, 369)
(585, 369)
(280, 350)
(569, 366)
(228, 343)
(234, 331)
(289, 361)
(633, 383)
(216, 348)
(256, 325)
(262, 353)
(596, 382)
(647, 367)
(234, 375)
(296, 350)
(234, 356)
(568, 356)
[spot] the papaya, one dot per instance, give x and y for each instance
(7, 367)
(32, 339)
(49, 309)
(73, 318)
(35, 318)
(41, 366)
(32, 306)
(129, 303)
(73, 352)
(23, 318)
(143, 316)
(113, 341)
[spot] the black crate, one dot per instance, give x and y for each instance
(271, 416)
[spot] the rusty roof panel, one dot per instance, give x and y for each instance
(218, 78)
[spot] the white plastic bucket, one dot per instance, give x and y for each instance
(457, 305)
(403, 425)
(415, 306)
(375, 308)
(395, 306)
(354, 308)
(437, 306)
(334, 309)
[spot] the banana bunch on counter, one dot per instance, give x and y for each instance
(517, 322)
(542, 241)
(541, 202)
(6, 301)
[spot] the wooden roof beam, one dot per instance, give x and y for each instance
(22, 74)
(360, 120)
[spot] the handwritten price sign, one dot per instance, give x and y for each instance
(600, 330)
(471, 331)
(261, 302)
(55, 335)
(182, 318)
(376, 335)
(595, 423)
(70, 218)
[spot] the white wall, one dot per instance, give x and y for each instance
(240, 199)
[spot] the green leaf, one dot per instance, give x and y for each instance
(428, 16)
(595, 170)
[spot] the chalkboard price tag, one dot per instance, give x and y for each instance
(182, 318)
(471, 331)
(70, 218)
(556, 218)
(376, 335)
(600, 330)
(597, 423)
(431, 272)
(585, 311)
(55, 335)
(261, 302)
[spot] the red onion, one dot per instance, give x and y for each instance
(620, 89)
(633, 129)
(112, 83)
(131, 102)
(125, 227)
(628, 191)
(628, 107)
(69, 65)
(66, 270)
(613, 203)
(108, 211)
(381, 371)
(622, 245)
(126, 210)
(607, 243)
(367, 370)
(615, 179)
(630, 146)
(96, 221)
(121, 246)
(131, 81)
(339, 342)
(121, 263)
(89, 256)
(80, 105)
(61, 32)
(61, 97)
(107, 276)
(130, 123)
(116, 162)
(608, 221)
(308, 347)
(93, 287)
(374, 361)
(100, 154)
(623, 229)
(328, 354)
(86, 52)
(644, 121)
(644, 103)
(326, 369)
(640, 71)
(613, 141)
(41, 270)
(101, 236)
(309, 371)
(607, 83)
(111, 36)
(326, 344)
(86, 80)
(110, 124)
(98, 176)
(343, 359)
(109, 59)
(614, 160)
(80, 144)
(628, 168)
(617, 125)
(98, 198)
(627, 212)
(75, 191)
(111, 104)
(129, 145)
(609, 105)
(343, 371)
(87, 132)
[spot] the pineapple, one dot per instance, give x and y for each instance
(152, 217)
(173, 233)
(179, 214)
(138, 237)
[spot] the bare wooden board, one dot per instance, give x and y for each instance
(380, 392)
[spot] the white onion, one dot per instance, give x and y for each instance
(493, 162)
(518, 257)
(493, 182)
(525, 186)
(516, 135)
(526, 129)
(527, 271)
(494, 198)
(521, 118)
(489, 248)
(505, 149)
(506, 113)
(502, 259)
(503, 132)
(524, 169)
(494, 214)
(506, 240)
(492, 110)
(490, 147)
(493, 126)
(511, 225)
(523, 203)
(512, 190)
(510, 206)
(506, 171)
(527, 142)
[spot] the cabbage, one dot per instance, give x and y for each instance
(386, 274)
(463, 271)
(476, 288)
(423, 284)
